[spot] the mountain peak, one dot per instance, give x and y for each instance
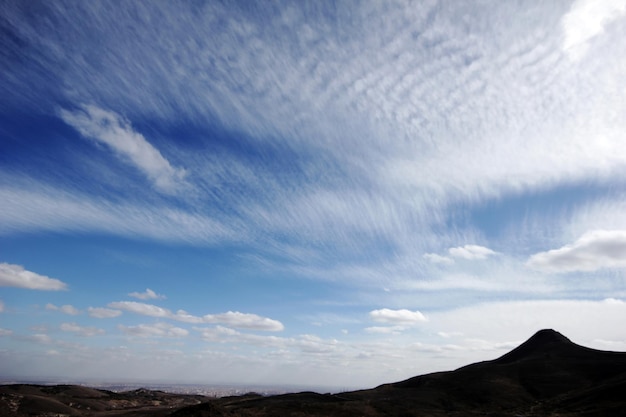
(542, 342)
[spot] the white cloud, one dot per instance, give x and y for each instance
(67, 309)
(245, 321)
(111, 129)
(402, 316)
(147, 295)
(1, 306)
(587, 19)
(471, 252)
(31, 206)
(41, 338)
(154, 330)
(5, 332)
(142, 309)
(385, 329)
(17, 276)
(80, 330)
(592, 251)
(103, 313)
(230, 318)
(438, 259)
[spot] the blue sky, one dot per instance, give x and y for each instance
(310, 193)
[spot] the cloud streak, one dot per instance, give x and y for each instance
(112, 130)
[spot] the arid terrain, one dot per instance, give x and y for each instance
(547, 375)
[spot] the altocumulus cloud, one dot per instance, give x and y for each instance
(103, 313)
(154, 330)
(17, 276)
(592, 251)
(80, 330)
(245, 321)
(114, 131)
(67, 309)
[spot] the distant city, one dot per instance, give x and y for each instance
(215, 391)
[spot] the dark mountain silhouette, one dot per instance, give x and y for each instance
(548, 375)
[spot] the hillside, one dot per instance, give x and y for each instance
(548, 375)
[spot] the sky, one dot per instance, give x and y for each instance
(339, 194)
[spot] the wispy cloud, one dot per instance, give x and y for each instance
(586, 19)
(233, 319)
(471, 252)
(16, 276)
(114, 131)
(147, 295)
(67, 309)
(154, 330)
(103, 313)
(592, 251)
(81, 330)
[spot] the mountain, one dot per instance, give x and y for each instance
(548, 375)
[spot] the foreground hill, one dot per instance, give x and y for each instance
(547, 375)
(19, 400)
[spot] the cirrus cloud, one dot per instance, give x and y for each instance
(117, 133)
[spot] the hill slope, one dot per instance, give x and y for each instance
(546, 375)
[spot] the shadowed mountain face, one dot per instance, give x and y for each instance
(547, 375)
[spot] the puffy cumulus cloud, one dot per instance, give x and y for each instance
(592, 251)
(587, 19)
(67, 309)
(154, 330)
(230, 318)
(245, 321)
(16, 276)
(80, 330)
(147, 295)
(103, 313)
(471, 252)
(114, 131)
(402, 316)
